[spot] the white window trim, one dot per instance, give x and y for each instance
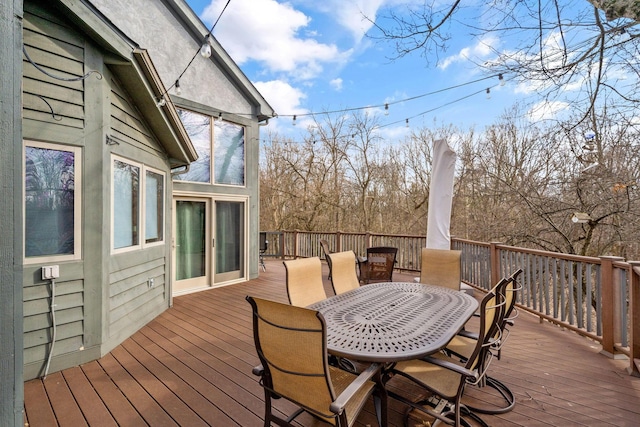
(77, 202)
(142, 244)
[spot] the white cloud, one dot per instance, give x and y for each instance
(269, 32)
(480, 51)
(352, 15)
(336, 84)
(283, 97)
(546, 110)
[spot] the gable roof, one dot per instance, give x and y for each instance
(196, 29)
(136, 71)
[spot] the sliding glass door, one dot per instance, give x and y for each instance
(229, 241)
(209, 242)
(191, 245)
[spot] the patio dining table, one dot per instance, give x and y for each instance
(393, 321)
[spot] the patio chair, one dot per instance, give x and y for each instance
(325, 248)
(264, 244)
(343, 271)
(304, 281)
(462, 345)
(291, 344)
(378, 267)
(440, 267)
(445, 378)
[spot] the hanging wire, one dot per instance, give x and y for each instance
(53, 114)
(197, 52)
(64, 79)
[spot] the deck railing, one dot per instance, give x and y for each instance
(598, 297)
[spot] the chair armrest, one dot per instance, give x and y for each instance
(258, 370)
(451, 366)
(338, 405)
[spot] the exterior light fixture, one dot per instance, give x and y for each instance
(205, 50)
(580, 218)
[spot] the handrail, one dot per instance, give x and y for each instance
(597, 297)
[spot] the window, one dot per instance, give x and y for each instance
(131, 205)
(154, 207)
(198, 127)
(227, 142)
(51, 202)
(229, 153)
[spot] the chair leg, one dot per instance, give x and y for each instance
(504, 392)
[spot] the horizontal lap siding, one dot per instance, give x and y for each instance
(58, 50)
(127, 124)
(132, 303)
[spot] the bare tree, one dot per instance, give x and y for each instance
(556, 46)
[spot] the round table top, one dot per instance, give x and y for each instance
(393, 321)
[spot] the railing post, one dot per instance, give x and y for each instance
(494, 262)
(609, 312)
(634, 308)
(338, 242)
(295, 244)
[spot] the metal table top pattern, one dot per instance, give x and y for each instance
(393, 321)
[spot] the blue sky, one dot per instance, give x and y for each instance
(309, 56)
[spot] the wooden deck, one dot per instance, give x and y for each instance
(191, 366)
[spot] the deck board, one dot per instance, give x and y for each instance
(192, 366)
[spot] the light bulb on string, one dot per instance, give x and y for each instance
(488, 93)
(220, 116)
(205, 50)
(294, 119)
(386, 109)
(161, 102)
(178, 89)
(406, 123)
(502, 80)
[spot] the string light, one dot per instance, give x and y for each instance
(161, 102)
(294, 119)
(386, 109)
(501, 79)
(488, 93)
(406, 122)
(220, 116)
(177, 86)
(205, 50)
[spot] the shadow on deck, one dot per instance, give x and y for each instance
(191, 366)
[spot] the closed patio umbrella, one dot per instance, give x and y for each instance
(440, 196)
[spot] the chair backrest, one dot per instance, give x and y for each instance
(511, 293)
(291, 344)
(304, 281)
(343, 271)
(440, 267)
(491, 315)
(380, 263)
(264, 243)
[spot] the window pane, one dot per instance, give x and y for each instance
(126, 185)
(154, 187)
(49, 202)
(198, 127)
(229, 153)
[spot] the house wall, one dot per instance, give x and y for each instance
(207, 87)
(101, 298)
(11, 362)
